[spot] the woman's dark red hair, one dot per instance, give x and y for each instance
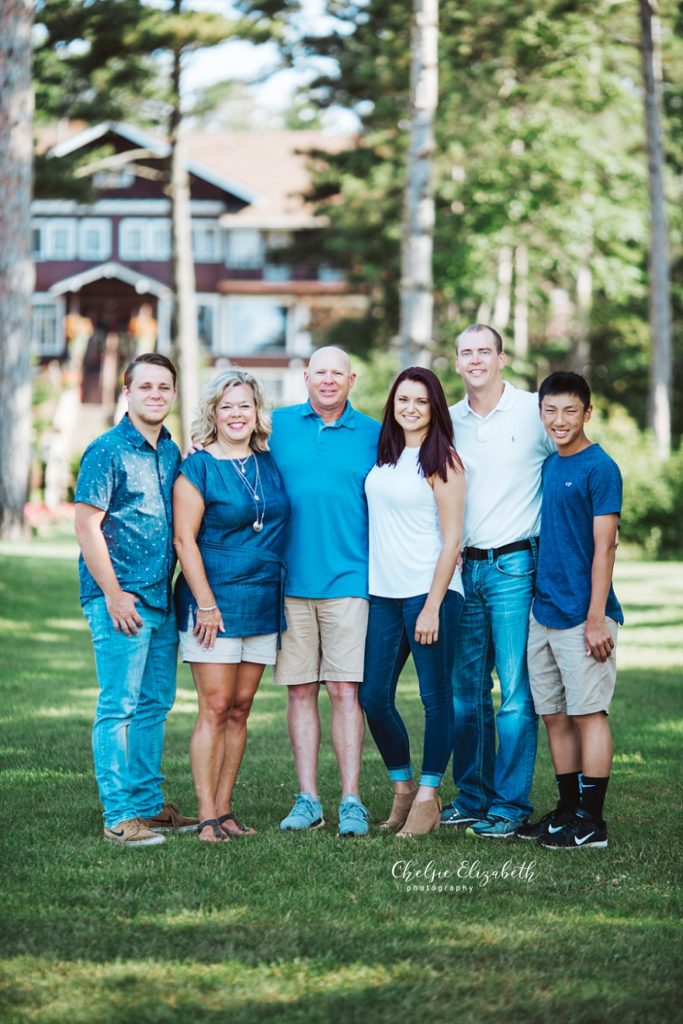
(437, 451)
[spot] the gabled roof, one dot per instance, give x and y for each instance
(143, 283)
(160, 147)
(270, 171)
(276, 165)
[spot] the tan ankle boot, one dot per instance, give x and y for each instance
(424, 817)
(399, 810)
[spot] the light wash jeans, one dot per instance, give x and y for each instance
(493, 631)
(390, 639)
(137, 677)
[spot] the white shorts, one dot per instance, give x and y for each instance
(230, 650)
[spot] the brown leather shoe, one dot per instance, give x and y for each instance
(399, 810)
(424, 817)
(169, 819)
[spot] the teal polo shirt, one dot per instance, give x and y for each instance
(324, 467)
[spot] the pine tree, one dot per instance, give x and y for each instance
(16, 270)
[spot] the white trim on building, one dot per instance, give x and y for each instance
(121, 207)
(156, 146)
(142, 283)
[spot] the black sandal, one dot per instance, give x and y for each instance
(244, 829)
(218, 833)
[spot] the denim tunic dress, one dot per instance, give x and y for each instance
(245, 569)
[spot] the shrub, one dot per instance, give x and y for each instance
(653, 491)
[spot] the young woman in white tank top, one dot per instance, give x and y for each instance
(416, 498)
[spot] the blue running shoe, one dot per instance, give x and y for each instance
(306, 813)
(354, 819)
(495, 827)
(452, 816)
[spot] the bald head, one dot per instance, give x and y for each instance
(330, 355)
(329, 379)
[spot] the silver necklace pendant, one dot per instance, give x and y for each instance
(256, 526)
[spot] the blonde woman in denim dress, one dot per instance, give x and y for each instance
(230, 510)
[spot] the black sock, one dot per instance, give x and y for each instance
(568, 785)
(593, 791)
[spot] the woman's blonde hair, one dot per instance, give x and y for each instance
(203, 429)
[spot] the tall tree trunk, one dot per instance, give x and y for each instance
(660, 298)
(521, 314)
(417, 294)
(184, 318)
(16, 269)
(501, 309)
(581, 353)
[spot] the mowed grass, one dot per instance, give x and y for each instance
(308, 928)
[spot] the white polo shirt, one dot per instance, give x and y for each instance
(503, 454)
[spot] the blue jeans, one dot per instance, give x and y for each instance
(493, 631)
(137, 677)
(390, 639)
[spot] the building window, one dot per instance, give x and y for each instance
(46, 335)
(144, 239)
(59, 239)
(94, 238)
(54, 238)
(205, 327)
(159, 240)
(256, 326)
(206, 242)
(277, 272)
(329, 274)
(37, 245)
(244, 249)
(132, 235)
(105, 180)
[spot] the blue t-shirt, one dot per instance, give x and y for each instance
(244, 567)
(323, 467)
(122, 474)
(576, 489)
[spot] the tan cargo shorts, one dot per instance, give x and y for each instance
(563, 677)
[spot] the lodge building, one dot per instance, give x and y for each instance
(108, 261)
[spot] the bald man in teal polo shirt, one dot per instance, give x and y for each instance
(324, 449)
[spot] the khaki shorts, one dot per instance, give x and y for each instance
(324, 641)
(563, 677)
(230, 650)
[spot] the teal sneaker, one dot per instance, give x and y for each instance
(451, 815)
(307, 813)
(354, 819)
(495, 827)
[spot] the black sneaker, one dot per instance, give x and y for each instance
(550, 823)
(581, 830)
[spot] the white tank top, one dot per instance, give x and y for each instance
(405, 541)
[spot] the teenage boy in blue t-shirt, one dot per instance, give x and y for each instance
(574, 616)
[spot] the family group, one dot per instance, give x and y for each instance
(334, 547)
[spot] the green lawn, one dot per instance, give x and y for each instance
(313, 928)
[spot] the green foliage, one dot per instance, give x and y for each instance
(539, 142)
(87, 64)
(653, 493)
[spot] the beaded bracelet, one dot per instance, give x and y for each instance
(211, 608)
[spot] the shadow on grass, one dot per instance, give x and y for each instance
(421, 979)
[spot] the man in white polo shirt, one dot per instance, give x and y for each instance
(501, 440)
